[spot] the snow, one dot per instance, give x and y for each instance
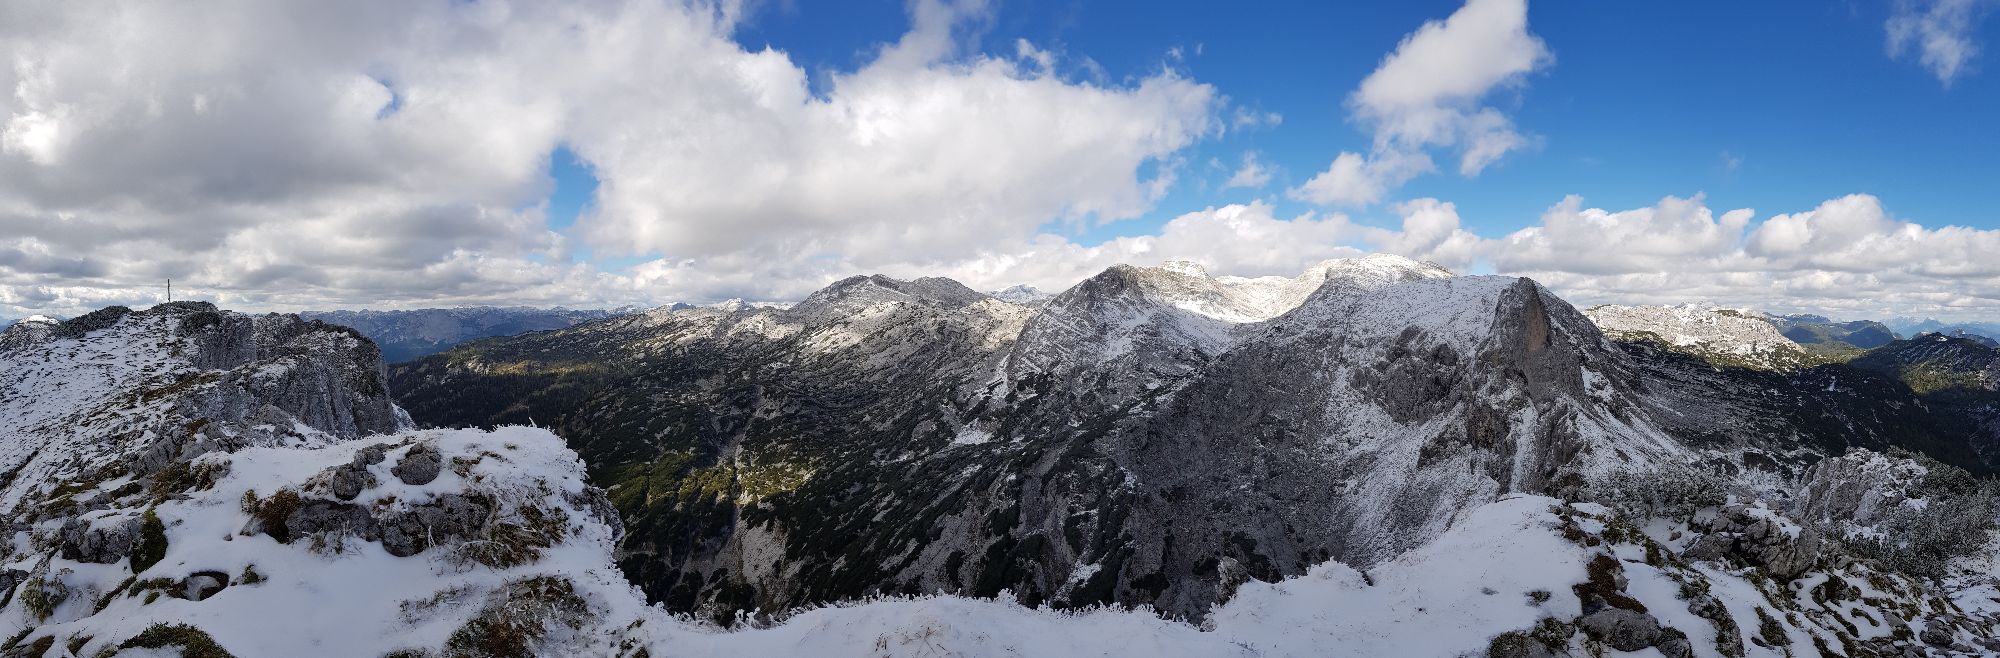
(353, 602)
(1702, 329)
(972, 435)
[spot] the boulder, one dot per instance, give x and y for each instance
(347, 481)
(1937, 632)
(1621, 629)
(419, 466)
(453, 516)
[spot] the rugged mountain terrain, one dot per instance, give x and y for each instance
(202, 483)
(1150, 436)
(123, 394)
(1982, 340)
(405, 335)
(1725, 337)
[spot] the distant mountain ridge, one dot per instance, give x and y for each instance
(1807, 329)
(405, 335)
(1910, 326)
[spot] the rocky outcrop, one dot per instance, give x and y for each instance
(138, 393)
(1756, 535)
(103, 542)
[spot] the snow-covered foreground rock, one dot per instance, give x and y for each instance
(441, 540)
(526, 570)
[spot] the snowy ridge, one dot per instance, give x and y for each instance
(120, 390)
(1725, 336)
(1020, 294)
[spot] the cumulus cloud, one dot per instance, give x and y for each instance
(1429, 93)
(1848, 257)
(1357, 180)
(1938, 31)
(301, 153)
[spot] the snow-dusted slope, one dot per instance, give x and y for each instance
(499, 539)
(1723, 336)
(118, 392)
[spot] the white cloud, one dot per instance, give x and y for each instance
(1675, 235)
(1428, 94)
(304, 154)
(1848, 257)
(1253, 174)
(1430, 232)
(1243, 239)
(1939, 31)
(1358, 180)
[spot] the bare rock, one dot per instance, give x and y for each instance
(454, 516)
(419, 466)
(99, 543)
(1624, 630)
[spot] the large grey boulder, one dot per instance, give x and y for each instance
(1624, 630)
(454, 516)
(419, 466)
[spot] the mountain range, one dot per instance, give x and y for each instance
(1372, 457)
(405, 335)
(1152, 436)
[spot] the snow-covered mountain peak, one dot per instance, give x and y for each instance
(1187, 267)
(1020, 294)
(1383, 267)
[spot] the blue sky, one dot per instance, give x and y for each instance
(1772, 106)
(1824, 157)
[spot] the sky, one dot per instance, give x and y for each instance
(1835, 158)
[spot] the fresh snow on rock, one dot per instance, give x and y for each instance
(1020, 294)
(1728, 336)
